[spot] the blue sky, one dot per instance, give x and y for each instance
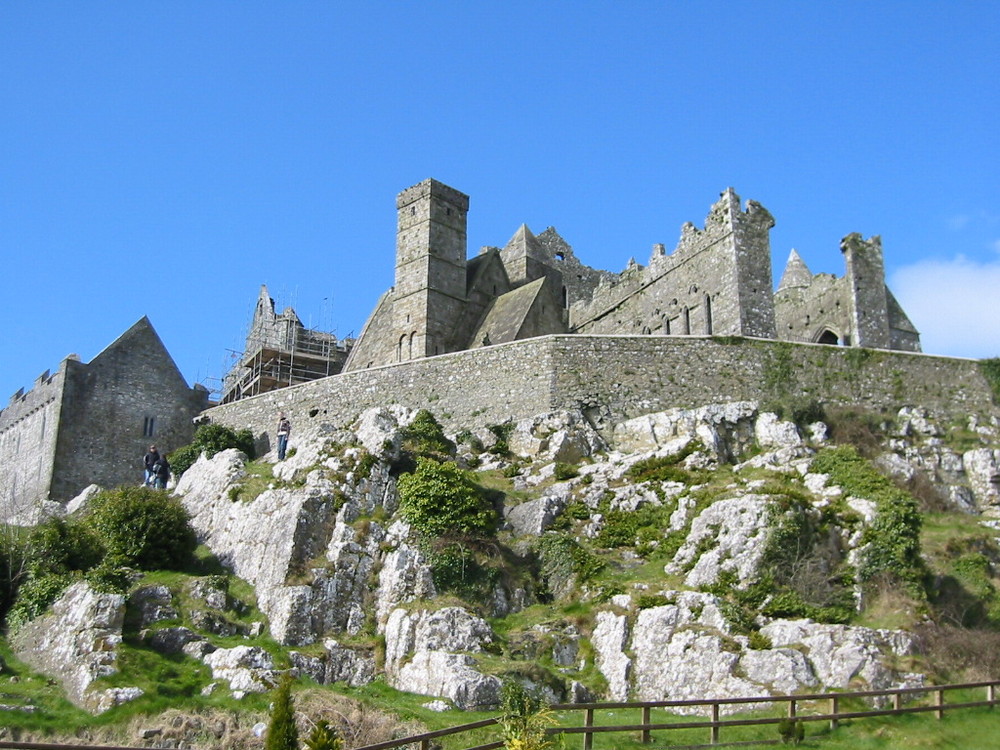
(165, 159)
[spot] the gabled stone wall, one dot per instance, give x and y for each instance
(93, 423)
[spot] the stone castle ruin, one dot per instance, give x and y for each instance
(91, 423)
(610, 345)
(716, 282)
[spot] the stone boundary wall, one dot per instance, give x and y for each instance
(621, 377)
(475, 387)
(613, 378)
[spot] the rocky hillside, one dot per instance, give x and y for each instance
(721, 551)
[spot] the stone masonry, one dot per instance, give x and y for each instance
(614, 378)
(92, 423)
(717, 281)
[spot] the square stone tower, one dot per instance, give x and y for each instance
(430, 291)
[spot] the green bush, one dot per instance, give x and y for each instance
(620, 529)
(648, 601)
(109, 578)
(282, 733)
(990, 368)
(440, 498)
(502, 433)
(35, 595)
(893, 538)
(58, 546)
(424, 436)
(13, 565)
(791, 731)
(458, 569)
(323, 737)
(563, 471)
(523, 718)
(143, 528)
(563, 558)
(210, 439)
(663, 468)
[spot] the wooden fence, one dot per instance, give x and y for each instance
(796, 708)
(713, 708)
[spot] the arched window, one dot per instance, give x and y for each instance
(828, 337)
(708, 314)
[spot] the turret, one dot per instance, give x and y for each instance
(866, 289)
(430, 268)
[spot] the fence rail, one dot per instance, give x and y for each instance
(713, 707)
(715, 723)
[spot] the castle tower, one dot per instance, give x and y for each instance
(869, 307)
(751, 247)
(429, 294)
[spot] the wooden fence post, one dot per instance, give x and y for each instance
(588, 721)
(939, 701)
(715, 726)
(791, 709)
(833, 711)
(646, 737)
(897, 701)
(991, 693)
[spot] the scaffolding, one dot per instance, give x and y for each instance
(281, 352)
(268, 368)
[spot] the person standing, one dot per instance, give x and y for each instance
(161, 471)
(149, 460)
(284, 430)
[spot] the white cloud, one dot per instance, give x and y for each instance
(996, 246)
(954, 304)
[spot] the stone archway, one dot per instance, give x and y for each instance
(827, 336)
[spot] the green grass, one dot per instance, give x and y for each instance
(967, 729)
(260, 476)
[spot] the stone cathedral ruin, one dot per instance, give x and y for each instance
(678, 312)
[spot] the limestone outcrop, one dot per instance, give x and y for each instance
(76, 644)
(332, 562)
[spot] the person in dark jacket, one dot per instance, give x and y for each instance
(149, 461)
(161, 471)
(284, 430)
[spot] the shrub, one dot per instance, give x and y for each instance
(523, 718)
(990, 368)
(462, 569)
(58, 546)
(565, 471)
(663, 468)
(620, 529)
(563, 559)
(893, 538)
(143, 528)
(648, 601)
(210, 439)
(323, 737)
(440, 498)
(424, 436)
(502, 433)
(13, 564)
(34, 597)
(281, 731)
(791, 731)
